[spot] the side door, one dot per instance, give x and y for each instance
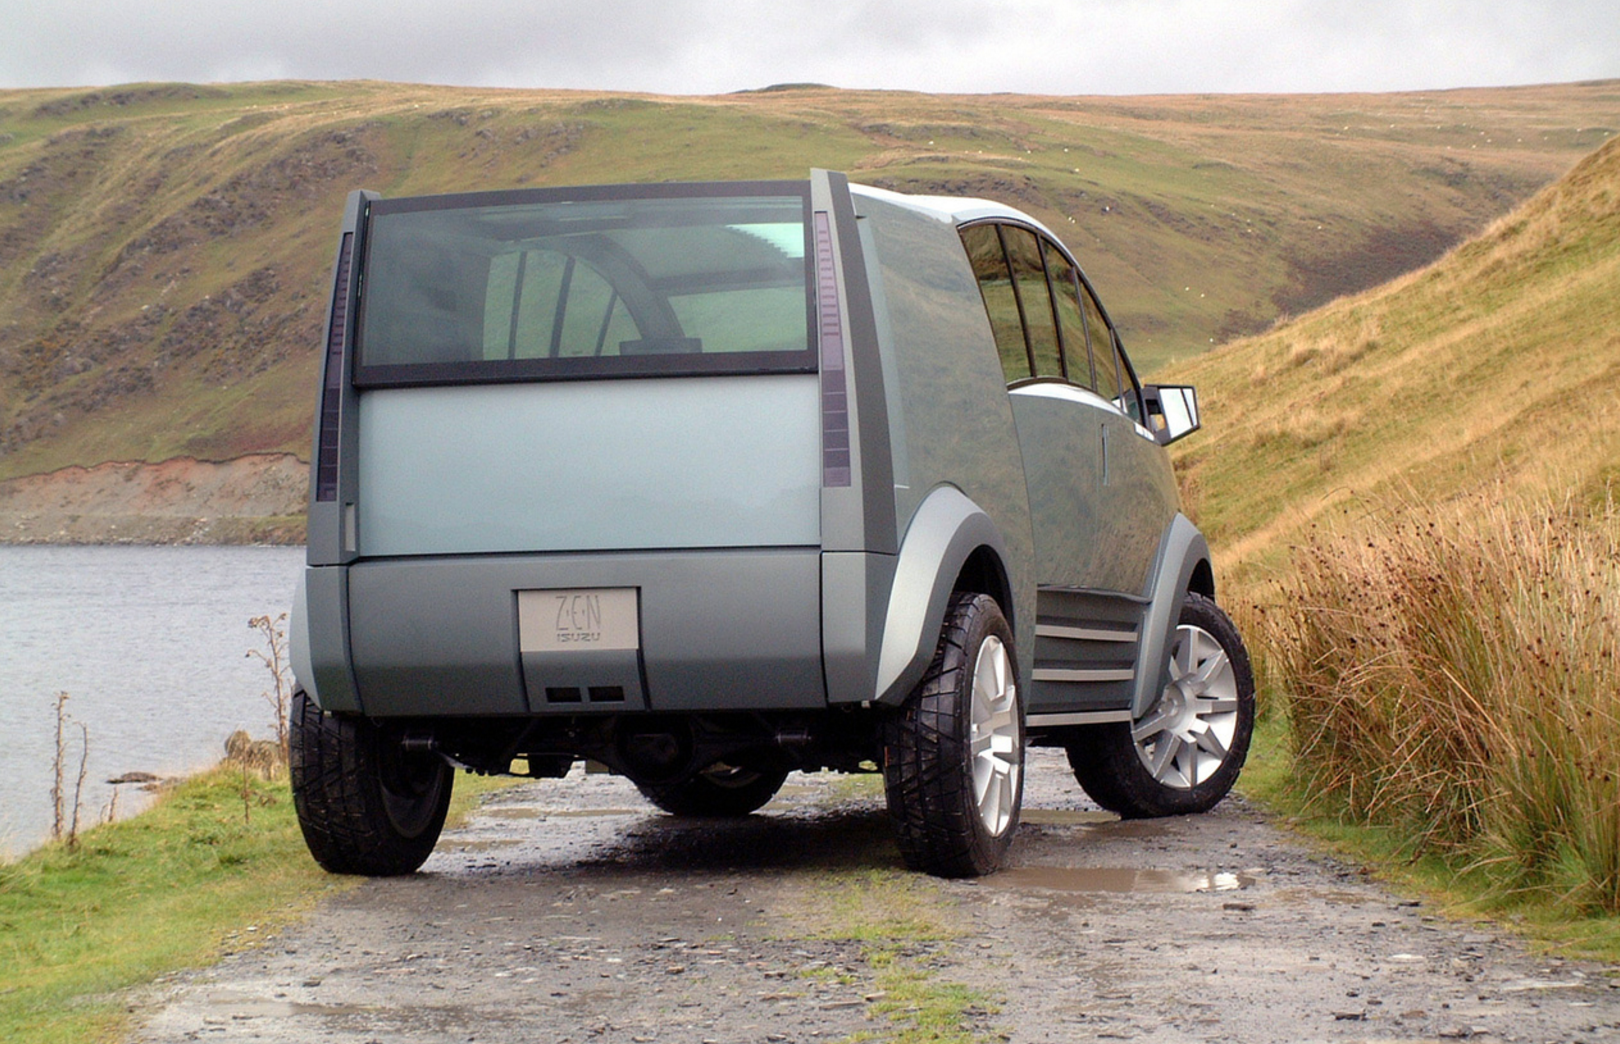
(1139, 489)
(1096, 506)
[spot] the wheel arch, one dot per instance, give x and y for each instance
(1182, 564)
(1203, 578)
(951, 545)
(985, 572)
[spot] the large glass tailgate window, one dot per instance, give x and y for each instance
(610, 281)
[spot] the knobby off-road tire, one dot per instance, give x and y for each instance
(1184, 753)
(953, 757)
(720, 791)
(366, 806)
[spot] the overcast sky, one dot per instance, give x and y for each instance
(712, 46)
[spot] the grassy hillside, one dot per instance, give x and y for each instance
(1495, 371)
(1414, 491)
(163, 248)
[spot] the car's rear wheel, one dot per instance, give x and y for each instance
(953, 767)
(366, 805)
(1184, 752)
(721, 790)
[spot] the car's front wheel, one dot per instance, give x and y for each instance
(366, 805)
(721, 791)
(953, 766)
(1184, 752)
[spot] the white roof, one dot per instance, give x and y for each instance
(956, 210)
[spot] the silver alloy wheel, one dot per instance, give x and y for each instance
(995, 737)
(1186, 734)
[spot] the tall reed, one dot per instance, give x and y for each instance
(1458, 675)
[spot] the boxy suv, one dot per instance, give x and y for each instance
(712, 482)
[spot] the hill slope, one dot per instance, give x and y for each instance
(163, 248)
(1495, 370)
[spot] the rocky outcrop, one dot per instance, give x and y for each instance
(258, 499)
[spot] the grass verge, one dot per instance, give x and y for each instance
(1449, 691)
(218, 860)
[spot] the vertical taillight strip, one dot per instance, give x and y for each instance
(326, 473)
(835, 456)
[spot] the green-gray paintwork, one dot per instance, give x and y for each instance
(958, 423)
(855, 597)
(1100, 490)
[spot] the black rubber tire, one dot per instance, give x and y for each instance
(719, 791)
(927, 756)
(365, 805)
(1108, 766)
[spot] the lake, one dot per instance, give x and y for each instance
(151, 643)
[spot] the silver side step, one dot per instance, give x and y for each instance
(1078, 718)
(1086, 645)
(1086, 634)
(1059, 674)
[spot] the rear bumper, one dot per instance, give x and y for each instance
(719, 630)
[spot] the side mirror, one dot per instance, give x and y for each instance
(1172, 411)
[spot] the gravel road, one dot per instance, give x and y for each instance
(573, 911)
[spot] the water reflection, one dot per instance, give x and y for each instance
(1117, 880)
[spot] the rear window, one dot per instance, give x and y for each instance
(599, 282)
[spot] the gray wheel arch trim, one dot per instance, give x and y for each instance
(303, 666)
(1182, 550)
(946, 529)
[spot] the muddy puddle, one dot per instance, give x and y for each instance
(1116, 880)
(246, 1006)
(541, 812)
(1066, 817)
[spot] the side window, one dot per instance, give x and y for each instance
(1071, 319)
(1129, 401)
(1102, 348)
(989, 262)
(1035, 300)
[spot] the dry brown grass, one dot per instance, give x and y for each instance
(1457, 674)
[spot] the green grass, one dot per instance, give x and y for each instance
(170, 889)
(1498, 368)
(898, 919)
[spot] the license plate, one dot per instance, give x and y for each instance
(578, 620)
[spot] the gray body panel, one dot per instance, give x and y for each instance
(1060, 434)
(720, 630)
(1182, 551)
(1139, 500)
(318, 638)
(944, 531)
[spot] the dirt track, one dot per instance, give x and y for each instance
(574, 912)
